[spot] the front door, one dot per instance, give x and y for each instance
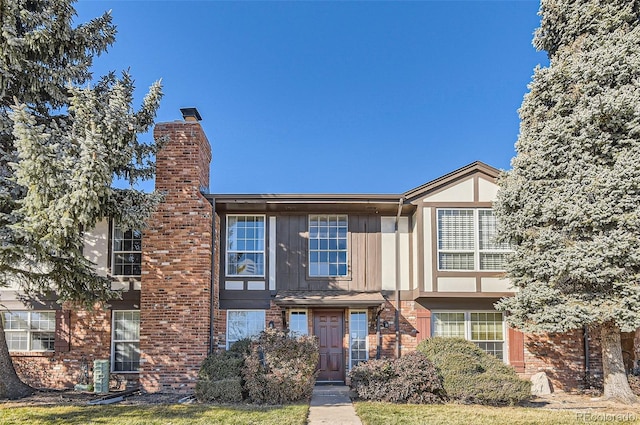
(328, 326)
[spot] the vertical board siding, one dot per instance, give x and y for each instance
(516, 349)
(365, 257)
(62, 342)
(423, 324)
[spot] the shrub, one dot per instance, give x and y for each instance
(409, 379)
(470, 375)
(241, 347)
(220, 378)
(225, 390)
(280, 368)
(370, 379)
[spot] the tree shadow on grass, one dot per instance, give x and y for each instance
(146, 415)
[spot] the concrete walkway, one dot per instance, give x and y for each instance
(330, 404)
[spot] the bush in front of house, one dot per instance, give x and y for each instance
(280, 368)
(410, 379)
(220, 376)
(470, 375)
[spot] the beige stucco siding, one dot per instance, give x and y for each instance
(487, 191)
(388, 250)
(495, 284)
(457, 284)
(96, 247)
(428, 250)
(460, 192)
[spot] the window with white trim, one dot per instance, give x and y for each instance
(358, 331)
(484, 328)
(466, 240)
(125, 341)
(328, 245)
(127, 252)
(245, 245)
(29, 330)
(244, 324)
(298, 324)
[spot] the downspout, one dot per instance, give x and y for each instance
(398, 277)
(587, 363)
(378, 333)
(213, 276)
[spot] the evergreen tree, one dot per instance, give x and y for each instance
(62, 143)
(571, 203)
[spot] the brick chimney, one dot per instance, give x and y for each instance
(175, 299)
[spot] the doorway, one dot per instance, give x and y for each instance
(328, 326)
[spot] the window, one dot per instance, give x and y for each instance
(245, 245)
(466, 240)
(327, 245)
(125, 341)
(298, 324)
(485, 329)
(487, 332)
(243, 324)
(492, 254)
(358, 332)
(30, 330)
(449, 325)
(127, 252)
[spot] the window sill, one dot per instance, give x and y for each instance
(125, 277)
(244, 276)
(31, 353)
(330, 278)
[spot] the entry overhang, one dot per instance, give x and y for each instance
(329, 299)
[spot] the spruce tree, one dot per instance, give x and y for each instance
(64, 138)
(570, 205)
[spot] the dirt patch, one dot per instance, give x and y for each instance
(581, 403)
(69, 397)
(555, 401)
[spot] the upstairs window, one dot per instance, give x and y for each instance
(245, 245)
(127, 252)
(328, 245)
(30, 330)
(466, 240)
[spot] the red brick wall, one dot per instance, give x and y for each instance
(561, 357)
(177, 264)
(408, 329)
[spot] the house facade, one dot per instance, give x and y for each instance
(369, 275)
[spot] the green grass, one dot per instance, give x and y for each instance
(374, 413)
(152, 415)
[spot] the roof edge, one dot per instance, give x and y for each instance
(477, 166)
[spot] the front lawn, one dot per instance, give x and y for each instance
(150, 415)
(377, 413)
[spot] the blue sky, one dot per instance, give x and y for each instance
(333, 97)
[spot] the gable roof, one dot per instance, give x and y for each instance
(378, 203)
(447, 179)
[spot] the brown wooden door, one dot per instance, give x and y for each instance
(328, 326)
